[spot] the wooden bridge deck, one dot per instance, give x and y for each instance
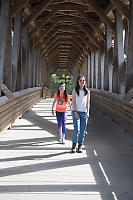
(34, 165)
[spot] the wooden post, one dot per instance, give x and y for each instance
(129, 73)
(115, 68)
(89, 66)
(126, 37)
(110, 61)
(39, 63)
(30, 54)
(100, 52)
(92, 69)
(4, 20)
(96, 68)
(7, 60)
(102, 69)
(18, 81)
(107, 59)
(15, 49)
(120, 54)
(24, 57)
(34, 68)
(42, 73)
(37, 68)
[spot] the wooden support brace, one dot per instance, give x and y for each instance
(128, 96)
(121, 8)
(19, 5)
(7, 92)
(34, 15)
(101, 14)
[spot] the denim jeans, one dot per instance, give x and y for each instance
(79, 127)
(61, 119)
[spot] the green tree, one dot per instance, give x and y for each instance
(58, 78)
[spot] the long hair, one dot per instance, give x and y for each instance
(65, 92)
(77, 88)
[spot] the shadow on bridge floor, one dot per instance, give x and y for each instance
(33, 164)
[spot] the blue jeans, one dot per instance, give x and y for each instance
(61, 119)
(79, 127)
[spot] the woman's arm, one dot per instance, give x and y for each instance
(69, 105)
(88, 104)
(74, 104)
(53, 107)
(74, 100)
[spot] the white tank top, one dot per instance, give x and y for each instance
(81, 101)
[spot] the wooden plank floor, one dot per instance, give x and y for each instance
(33, 164)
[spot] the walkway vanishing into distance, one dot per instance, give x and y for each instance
(34, 165)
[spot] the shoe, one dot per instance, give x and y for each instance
(63, 140)
(80, 148)
(73, 150)
(60, 140)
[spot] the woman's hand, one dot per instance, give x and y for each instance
(76, 115)
(53, 107)
(52, 112)
(87, 115)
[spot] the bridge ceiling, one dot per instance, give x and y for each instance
(66, 31)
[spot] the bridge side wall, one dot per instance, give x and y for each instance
(23, 101)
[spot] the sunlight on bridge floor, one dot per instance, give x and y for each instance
(36, 165)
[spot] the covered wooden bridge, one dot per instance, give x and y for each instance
(92, 37)
(39, 38)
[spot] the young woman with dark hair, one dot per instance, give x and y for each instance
(61, 98)
(80, 112)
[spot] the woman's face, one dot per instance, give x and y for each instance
(62, 87)
(82, 81)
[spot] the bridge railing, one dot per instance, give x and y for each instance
(115, 107)
(12, 109)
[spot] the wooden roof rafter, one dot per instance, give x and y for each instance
(35, 14)
(18, 6)
(52, 19)
(69, 35)
(58, 46)
(123, 9)
(100, 13)
(64, 41)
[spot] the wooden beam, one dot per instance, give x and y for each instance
(77, 29)
(120, 54)
(128, 96)
(7, 61)
(30, 63)
(40, 25)
(69, 6)
(24, 57)
(7, 92)
(35, 14)
(19, 5)
(73, 41)
(81, 35)
(4, 20)
(68, 18)
(70, 29)
(121, 8)
(59, 38)
(60, 41)
(64, 42)
(92, 37)
(51, 27)
(95, 28)
(15, 49)
(100, 13)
